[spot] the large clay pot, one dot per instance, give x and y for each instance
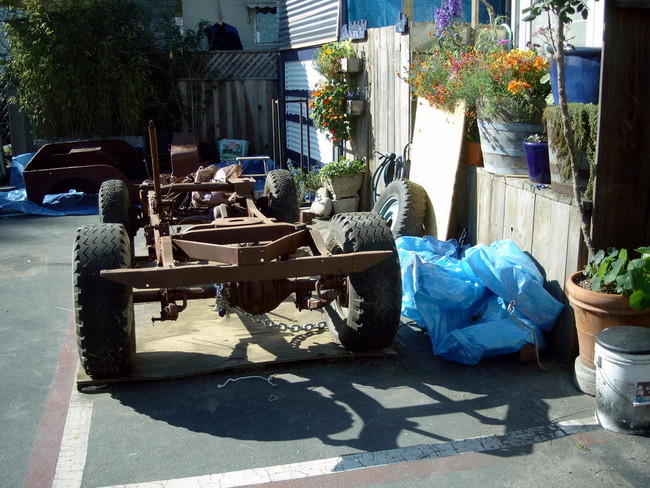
(596, 311)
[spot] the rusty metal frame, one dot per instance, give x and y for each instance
(235, 250)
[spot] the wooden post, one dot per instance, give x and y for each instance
(475, 16)
(621, 213)
(407, 8)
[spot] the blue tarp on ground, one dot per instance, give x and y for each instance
(461, 297)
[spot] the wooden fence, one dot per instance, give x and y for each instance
(543, 223)
(232, 99)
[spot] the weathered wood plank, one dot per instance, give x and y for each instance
(483, 208)
(497, 212)
(518, 218)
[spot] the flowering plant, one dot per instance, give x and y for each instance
(328, 110)
(327, 59)
(307, 182)
(328, 99)
(515, 80)
(456, 70)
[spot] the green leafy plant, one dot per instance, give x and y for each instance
(342, 167)
(613, 272)
(584, 120)
(90, 68)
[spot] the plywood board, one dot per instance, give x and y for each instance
(201, 342)
(435, 155)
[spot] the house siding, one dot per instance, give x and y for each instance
(308, 23)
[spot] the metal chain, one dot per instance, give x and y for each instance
(223, 308)
(281, 326)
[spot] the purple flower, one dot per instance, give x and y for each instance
(449, 11)
(456, 8)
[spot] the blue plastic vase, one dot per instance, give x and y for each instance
(538, 163)
(582, 69)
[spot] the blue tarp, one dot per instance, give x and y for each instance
(461, 297)
(385, 12)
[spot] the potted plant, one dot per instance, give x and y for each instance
(536, 149)
(329, 98)
(514, 88)
(343, 178)
(328, 59)
(613, 290)
(503, 89)
(584, 120)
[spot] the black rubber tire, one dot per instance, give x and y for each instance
(403, 204)
(280, 189)
(103, 309)
(114, 203)
(372, 315)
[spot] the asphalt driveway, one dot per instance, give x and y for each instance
(402, 420)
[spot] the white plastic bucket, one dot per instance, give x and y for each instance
(622, 357)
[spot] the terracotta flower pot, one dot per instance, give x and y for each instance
(596, 311)
(474, 156)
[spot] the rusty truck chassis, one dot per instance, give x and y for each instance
(259, 261)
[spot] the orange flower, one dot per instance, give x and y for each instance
(517, 86)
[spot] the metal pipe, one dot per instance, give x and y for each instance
(308, 138)
(153, 143)
(302, 139)
(187, 293)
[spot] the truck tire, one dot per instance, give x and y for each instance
(280, 189)
(114, 203)
(403, 205)
(103, 309)
(370, 317)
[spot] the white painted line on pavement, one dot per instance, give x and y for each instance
(74, 443)
(351, 462)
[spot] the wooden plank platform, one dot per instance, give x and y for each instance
(201, 342)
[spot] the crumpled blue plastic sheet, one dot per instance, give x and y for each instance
(461, 297)
(15, 202)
